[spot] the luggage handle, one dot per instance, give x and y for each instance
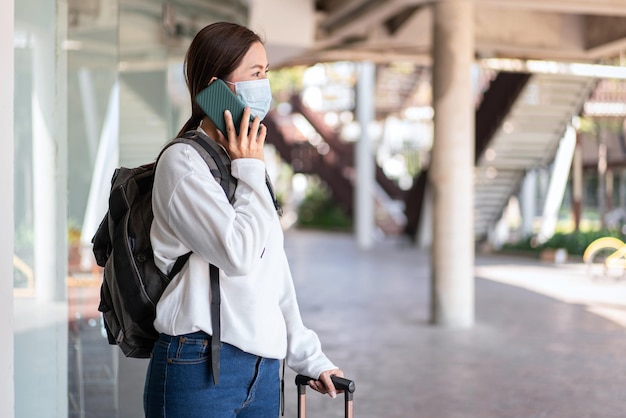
(340, 383)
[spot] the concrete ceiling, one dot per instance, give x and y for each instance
(382, 31)
(145, 35)
(401, 30)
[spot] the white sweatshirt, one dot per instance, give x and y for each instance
(259, 310)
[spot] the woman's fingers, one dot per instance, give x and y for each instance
(262, 134)
(324, 384)
(244, 127)
(230, 125)
(249, 143)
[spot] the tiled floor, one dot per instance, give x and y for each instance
(546, 352)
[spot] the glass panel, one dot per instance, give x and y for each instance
(126, 98)
(93, 114)
(23, 259)
(40, 308)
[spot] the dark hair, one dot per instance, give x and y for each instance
(216, 51)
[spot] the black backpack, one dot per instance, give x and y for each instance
(132, 283)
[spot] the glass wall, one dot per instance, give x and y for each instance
(40, 178)
(93, 112)
(154, 103)
(97, 84)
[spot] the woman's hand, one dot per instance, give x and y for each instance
(324, 384)
(249, 143)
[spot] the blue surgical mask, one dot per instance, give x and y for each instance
(255, 94)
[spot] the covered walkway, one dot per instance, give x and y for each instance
(550, 351)
(529, 355)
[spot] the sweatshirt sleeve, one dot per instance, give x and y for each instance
(192, 206)
(304, 349)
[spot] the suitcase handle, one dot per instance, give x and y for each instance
(340, 383)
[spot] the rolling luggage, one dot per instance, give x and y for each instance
(340, 384)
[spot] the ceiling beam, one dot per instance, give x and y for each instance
(347, 22)
(590, 7)
(605, 35)
(421, 58)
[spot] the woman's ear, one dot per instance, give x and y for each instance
(212, 80)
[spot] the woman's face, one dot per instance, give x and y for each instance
(253, 66)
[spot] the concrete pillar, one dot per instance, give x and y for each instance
(577, 183)
(602, 166)
(425, 228)
(452, 165)
(622, 189)
(44, 165)
(7, 393)
(107, 159)
(558, 182)
(610, 187)
(364, 220)
(528, 202)
(90, 110)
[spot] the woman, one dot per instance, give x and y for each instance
(260, 318)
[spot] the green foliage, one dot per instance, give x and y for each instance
(413, 160)
(319, 210)
(284, 81)
(574, 242)
(593, 126)
(24, 240)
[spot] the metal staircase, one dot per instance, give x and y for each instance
(332, 160)
(519, 124)
(493, 107)
(528, 137)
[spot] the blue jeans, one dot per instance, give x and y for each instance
(179, 382)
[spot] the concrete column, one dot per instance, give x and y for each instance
(90, 110)
(528, 201)
(425, 228)
(7, 392)
(577, 183)
(602, 166)
(452, 165)
(107, 159)
(49, 163)
(44, 166)
(610, 186)
(364, 220)
(622, 189)
(558, 182)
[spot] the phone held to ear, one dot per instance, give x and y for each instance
(215, 99)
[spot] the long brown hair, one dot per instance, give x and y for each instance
(216, 51)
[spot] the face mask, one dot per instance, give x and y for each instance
(256, 94)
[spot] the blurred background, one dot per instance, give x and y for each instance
(358, 86)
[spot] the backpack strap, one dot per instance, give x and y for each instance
(216, 158)
(219, 164)
(220, 158)
(216, 323)
(178, 265)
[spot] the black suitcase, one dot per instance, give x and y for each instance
(340, 384)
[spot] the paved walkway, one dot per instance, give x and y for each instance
(548, 341)
(539, 353)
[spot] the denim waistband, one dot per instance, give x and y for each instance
(195, 335)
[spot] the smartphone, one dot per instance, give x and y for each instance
(215, 99)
